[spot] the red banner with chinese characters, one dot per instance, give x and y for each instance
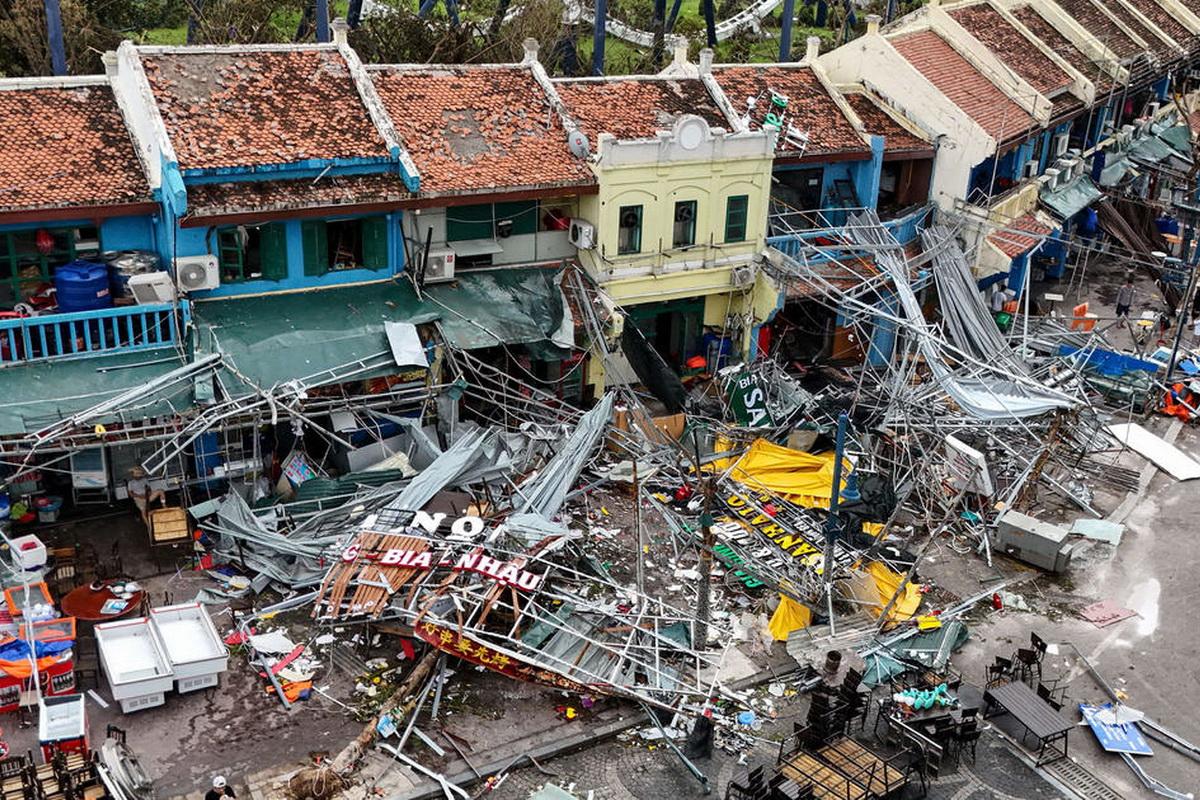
(450, 641)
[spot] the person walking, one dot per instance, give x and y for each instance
(220, 789)
(1125, 298)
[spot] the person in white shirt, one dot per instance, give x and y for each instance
(998, 297)
(142, 493)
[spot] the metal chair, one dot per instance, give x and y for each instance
(965, 738)
(1048, 696)
(1027, 663)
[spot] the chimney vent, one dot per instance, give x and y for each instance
(814, 49)
(531, 50)
(680, 52)
(340, 28)
(873, 21)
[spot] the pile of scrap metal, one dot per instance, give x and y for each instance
(511, 588)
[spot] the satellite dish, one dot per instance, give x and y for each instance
(577, 142)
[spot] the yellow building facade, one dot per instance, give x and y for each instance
(679, 228)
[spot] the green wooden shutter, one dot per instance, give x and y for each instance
(229, 255)
(523, 214)
(375, 242)
(736, 208)
(316, 247)
(272, 251)
(470, 222)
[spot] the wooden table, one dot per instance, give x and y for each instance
(1036, 716)
(84, 603)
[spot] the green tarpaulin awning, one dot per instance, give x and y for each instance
(1114, 171)
(35, 395)
(1179, 137)
(282, 337)
(1151, 149)
(1067, 201)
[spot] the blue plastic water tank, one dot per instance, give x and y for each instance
(82, 286)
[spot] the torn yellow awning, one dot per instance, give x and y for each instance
(801, 478)
(789, 616)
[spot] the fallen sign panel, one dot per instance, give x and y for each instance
(1113, 736)
(1105, 613)
(1161, 453)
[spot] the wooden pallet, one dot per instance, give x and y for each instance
(849, 756)
(169, 526)
(827, 782)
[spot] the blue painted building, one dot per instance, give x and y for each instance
(276, 167)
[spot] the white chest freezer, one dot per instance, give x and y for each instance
(194, 648)
(135, 662)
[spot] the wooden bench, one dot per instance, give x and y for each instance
(880, 777)
(828, 783)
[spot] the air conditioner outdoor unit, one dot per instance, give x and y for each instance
(149, 288)
(440, 267)
(1060, 144)
(583, 234)
(1153, 112)
(197, 273)
(1030, 169)
(741, 276)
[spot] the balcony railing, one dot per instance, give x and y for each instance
(830, 239)
(82, 334)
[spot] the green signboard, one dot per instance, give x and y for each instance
(749, 401)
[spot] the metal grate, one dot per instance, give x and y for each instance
(1079, 781)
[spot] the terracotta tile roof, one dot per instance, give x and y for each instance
(66, 147)
(1020, 236)
(474, 129)
(1090, 16)
(1012, 48)
(264, 198)
(967, 88)
(637, 109)
(810, 108)
(256, 107)
(1065, 105)
(1164, 21)
(1039, 27)
(897, 138)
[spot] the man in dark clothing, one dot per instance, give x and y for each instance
(1125, 299)
(220, 790)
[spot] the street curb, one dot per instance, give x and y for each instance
(1122, 512)
(555, 747)
(558, 746)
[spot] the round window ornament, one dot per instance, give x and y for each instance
(690, 132)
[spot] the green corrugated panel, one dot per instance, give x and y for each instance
(276, 338)
(34, 395)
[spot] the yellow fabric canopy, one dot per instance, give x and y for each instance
(788, 617)
(801, 478)
(886, 581)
